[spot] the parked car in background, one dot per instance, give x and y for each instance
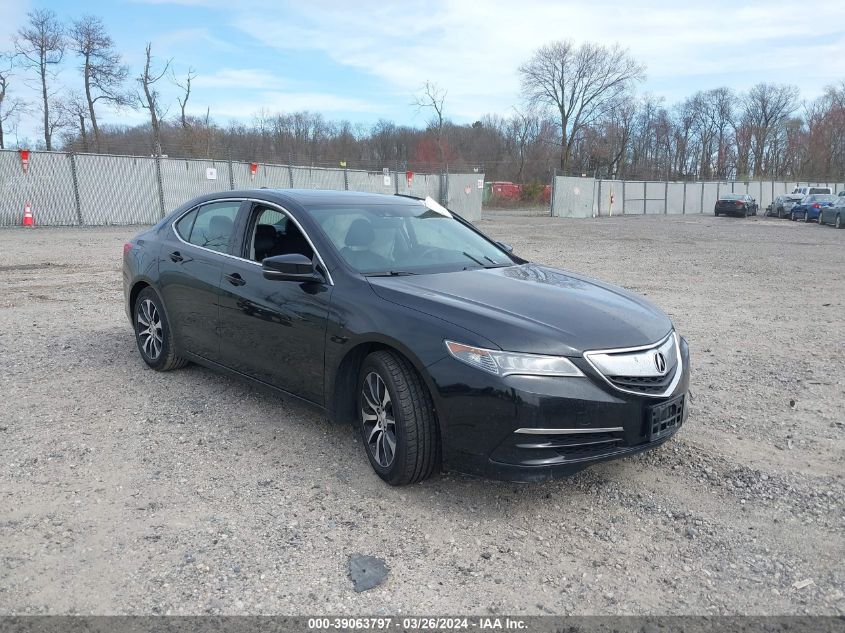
(791, 200)
(736, 204)
(835, 214)
(809, 191)
(810, 207)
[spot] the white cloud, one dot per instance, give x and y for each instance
(245, 78)
(326, 103)
(474, 49)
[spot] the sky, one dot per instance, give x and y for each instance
(364, 61)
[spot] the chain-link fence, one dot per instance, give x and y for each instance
(589, 197)
(65, 189)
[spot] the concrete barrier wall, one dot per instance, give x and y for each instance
(587, 197)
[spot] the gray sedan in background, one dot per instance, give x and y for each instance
(834, 215)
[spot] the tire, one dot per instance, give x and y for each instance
(780, 214)
(792, 216)
(152, 333)
(745, 213)
(837, 223)
(716, 213)
(401, 397)
(806, 217)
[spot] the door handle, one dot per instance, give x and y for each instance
(235, 279)
(176, 256)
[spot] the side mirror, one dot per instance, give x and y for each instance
(505, 247)
(291, 267)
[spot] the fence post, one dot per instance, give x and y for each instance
(701, 210)
(551, 199)
(598, 201)
(645, 194)
(159, 181)
(444, 188)
(623, 197)
(666, 198)
(75, 180)
(718, 186)
(231, 174)
(684, 204)
(346, 177)
(290, 170)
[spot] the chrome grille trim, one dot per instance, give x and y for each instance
(531, 431)
(604, 358)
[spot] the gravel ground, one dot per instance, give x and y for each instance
(127, 491)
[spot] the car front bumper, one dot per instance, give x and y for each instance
(532, 428)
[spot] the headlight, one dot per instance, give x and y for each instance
(507, 363)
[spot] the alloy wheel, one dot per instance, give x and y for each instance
(378, 419)
(148, 326)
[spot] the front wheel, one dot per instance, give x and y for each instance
(792, 216)
(397, 420)
(152, 333)
(838, 222)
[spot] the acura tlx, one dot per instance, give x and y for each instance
(443, 346)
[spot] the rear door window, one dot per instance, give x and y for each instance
(213, 226)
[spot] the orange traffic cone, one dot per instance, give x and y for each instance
(28, 220)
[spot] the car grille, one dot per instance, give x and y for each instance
(643, 384)
(636, 370)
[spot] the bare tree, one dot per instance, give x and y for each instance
(41, 46)
(10, 107)
(149, 100)
(73, 113)
(520, 131)
(186, 88)
(102, 71)
(766, 109)
(580, 84)
(434, 97)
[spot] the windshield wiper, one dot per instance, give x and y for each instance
(390, 273)
(493, 263)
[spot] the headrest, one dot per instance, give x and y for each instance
(220, 225)
(360, 233)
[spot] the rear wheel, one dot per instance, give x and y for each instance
(792, 216)
(838, 222)
(397, 420)
(152, 333)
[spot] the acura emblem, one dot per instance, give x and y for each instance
(660, 363)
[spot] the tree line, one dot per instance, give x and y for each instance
(580, 112)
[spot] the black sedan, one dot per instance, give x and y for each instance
(735, 204)
(441, 345)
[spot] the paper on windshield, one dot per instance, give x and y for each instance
(433, 205)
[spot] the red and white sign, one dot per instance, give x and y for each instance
(24, 153)
(410, 176)
(253, 168)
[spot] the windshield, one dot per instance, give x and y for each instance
(732, 196)
(405, 238)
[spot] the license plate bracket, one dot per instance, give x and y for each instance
(665, 418)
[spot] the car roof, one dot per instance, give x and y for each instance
(308, 197)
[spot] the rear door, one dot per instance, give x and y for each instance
(273, 330)
(190, 267)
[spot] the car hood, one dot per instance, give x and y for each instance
(531, 308)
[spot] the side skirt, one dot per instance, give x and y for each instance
(210, 364)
